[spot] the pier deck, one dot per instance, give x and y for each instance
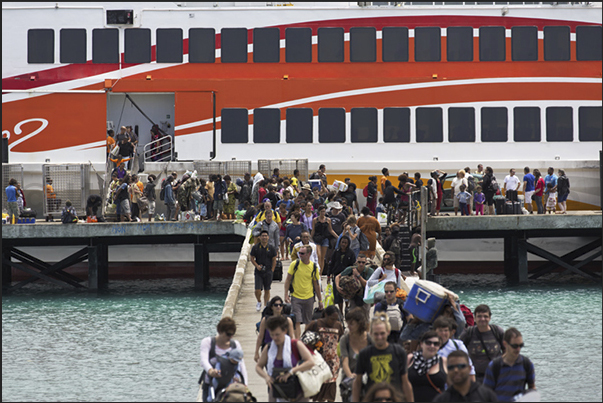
(95, 238)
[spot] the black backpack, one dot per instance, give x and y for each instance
(471, 184)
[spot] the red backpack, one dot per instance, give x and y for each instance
(468, 315)
(365, 191)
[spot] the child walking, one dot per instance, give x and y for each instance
(551, 200)
(479, 199)
(464, 198)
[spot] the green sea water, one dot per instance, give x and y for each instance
(140, 342)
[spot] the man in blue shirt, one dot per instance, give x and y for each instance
(508, 375)
(528, 188)
(11, 198)
(550, 178)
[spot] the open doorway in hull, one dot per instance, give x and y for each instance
(159, 107)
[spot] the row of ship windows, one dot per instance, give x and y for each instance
(397, 128)
(298, 44)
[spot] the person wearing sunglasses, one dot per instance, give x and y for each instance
(460, 386)
(508, 375)
(393, 306)
(382, 361)
(426, 369)
(445, 328)
(275, 307)
(219, 346)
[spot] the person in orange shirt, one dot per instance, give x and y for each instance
(384, 178)
(51, 199)
(110, 141)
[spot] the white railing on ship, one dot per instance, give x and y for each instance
(159, 150)
(470, 3)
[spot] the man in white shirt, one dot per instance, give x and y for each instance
(305, 240)
(511, 181)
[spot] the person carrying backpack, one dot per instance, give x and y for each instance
(69, 215)
(387, 272)
(508, 375)
(275, 307)
(219, 346)
(484, 341)
(393, 306)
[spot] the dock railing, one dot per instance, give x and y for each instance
(160, 150)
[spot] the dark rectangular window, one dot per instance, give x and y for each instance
(364, 125)
(492, 44)
(429, 125)
(266, 45)
(267, 125)
(105, 45)
(459, 44)
(588, 43)
(169, 45)
(137, 45)
(557, 43)
(298, 45)
(300, 123)
(396, 125)
(363, 44)
(494, 124)
(428, 44)
(395, 44)
(589, 123)
(526, 123)
(40, 46)
(234, 45)
(524, 43)
(235, 122)
(73, 45)
(559, 124)
(201, 45)
(461, 125)
(331, 125)
(330, 45)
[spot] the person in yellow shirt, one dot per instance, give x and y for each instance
(262, 214)
(304, 276)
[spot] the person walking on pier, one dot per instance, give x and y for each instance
(528, 188)
(460, 386)
(508, 375)
(303, 277)
(382, 361)
(219, 346)
(263, 258)
(563, 190)
(484, 341)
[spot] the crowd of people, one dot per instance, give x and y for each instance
(374, 351)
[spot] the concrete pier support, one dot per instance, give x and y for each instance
(201, 266)
(516, 260)
(98, 267)
(7, 271)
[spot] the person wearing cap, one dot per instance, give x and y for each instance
(230, 367)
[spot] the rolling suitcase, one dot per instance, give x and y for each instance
(509, 207)
(500, 206)
(512, 195)
(277, 275)
(517, 207)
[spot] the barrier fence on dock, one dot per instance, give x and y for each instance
(286, 167)
(69, 182)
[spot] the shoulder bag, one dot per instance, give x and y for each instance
(311, 380)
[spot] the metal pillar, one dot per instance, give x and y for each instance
(511, 262)
(522, 261)
(424, 208)
(201, 266)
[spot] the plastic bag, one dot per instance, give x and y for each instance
(328, 298)
(369, 295)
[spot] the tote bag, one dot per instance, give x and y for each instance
(311, 380)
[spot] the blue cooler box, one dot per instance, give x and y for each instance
(315, 183)
(425, 301)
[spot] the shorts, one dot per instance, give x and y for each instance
(282, 232)
(218, 205)
(151, 208)
(528, 197)
(125, 207)
(302, 309)
(489, 198)
(13, 210)
(263, 281)
(324, 242)
(327, 393)
(455, 202)
(562, 198)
